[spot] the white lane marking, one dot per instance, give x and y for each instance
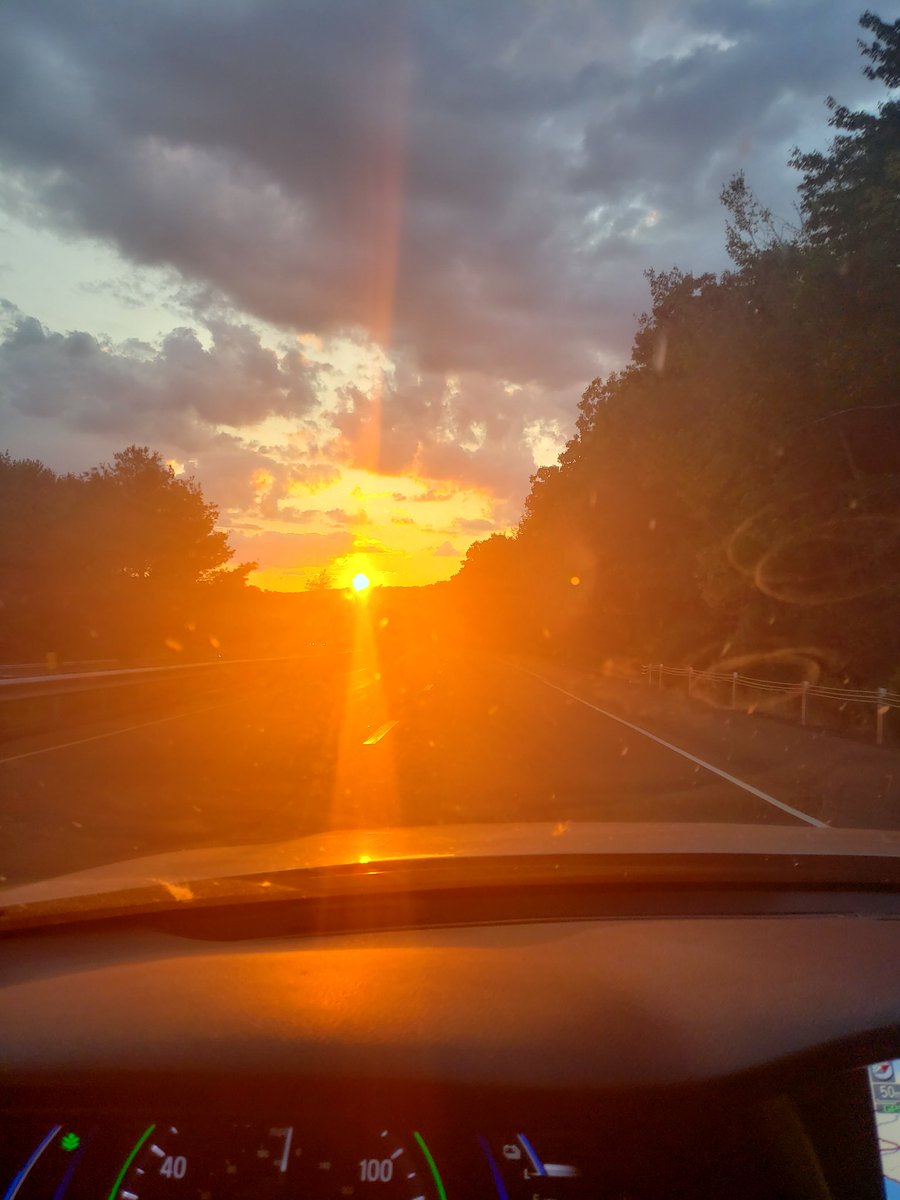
(747, 787)
(380, 732)
(98, 737)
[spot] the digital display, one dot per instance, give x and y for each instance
(884, 1084)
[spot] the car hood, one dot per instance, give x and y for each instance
(554, 844)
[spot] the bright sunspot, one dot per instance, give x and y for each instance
(360, 582)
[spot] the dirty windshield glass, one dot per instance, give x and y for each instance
(442, 415)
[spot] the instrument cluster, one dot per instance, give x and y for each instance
(193, 1157)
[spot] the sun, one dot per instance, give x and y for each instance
(354, 572)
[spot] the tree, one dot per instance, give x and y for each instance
(153, 526)
(752, 228)
(147, 539)
(122, 560)
(321, 581)
(736, 488)
(850, 196)
(34, 515)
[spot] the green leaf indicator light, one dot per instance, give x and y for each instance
(70, 1141)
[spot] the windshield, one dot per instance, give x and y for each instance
(427, 415)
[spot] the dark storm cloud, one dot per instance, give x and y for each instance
(432, 167)
(476, 186)
(746, 86)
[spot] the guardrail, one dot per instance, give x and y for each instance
(735, 687)
(50, 665)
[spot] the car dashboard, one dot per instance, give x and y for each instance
(693, 1044)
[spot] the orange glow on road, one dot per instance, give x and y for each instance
(365, 794)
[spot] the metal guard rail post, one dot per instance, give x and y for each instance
(882, 700)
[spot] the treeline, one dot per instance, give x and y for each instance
(122, 562)
(732, 497)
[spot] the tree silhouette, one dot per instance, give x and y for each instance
(121, 560)
(736, 488)
(321, 581)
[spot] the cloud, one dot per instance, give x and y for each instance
(446, 550)
(297, 516)
(474, 188)
(474, 525)
(131, 388)
(369, 546)
(467, 430)
(432, 177)
(74, 398)
(312, 477)
(290, 550)
(340, 516)
(434, 495)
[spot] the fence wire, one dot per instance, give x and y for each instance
(880, 699)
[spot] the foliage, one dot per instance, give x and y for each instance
(122, 560)
(321, 581)
(734, 493)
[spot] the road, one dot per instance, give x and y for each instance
(407, 734)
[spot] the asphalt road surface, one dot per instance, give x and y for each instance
(398, 735)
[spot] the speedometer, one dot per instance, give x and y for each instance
(244, 1161)
(236, 1160)
(405, 1165)
(339, 1152)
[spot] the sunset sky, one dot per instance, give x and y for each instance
(351, 263)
